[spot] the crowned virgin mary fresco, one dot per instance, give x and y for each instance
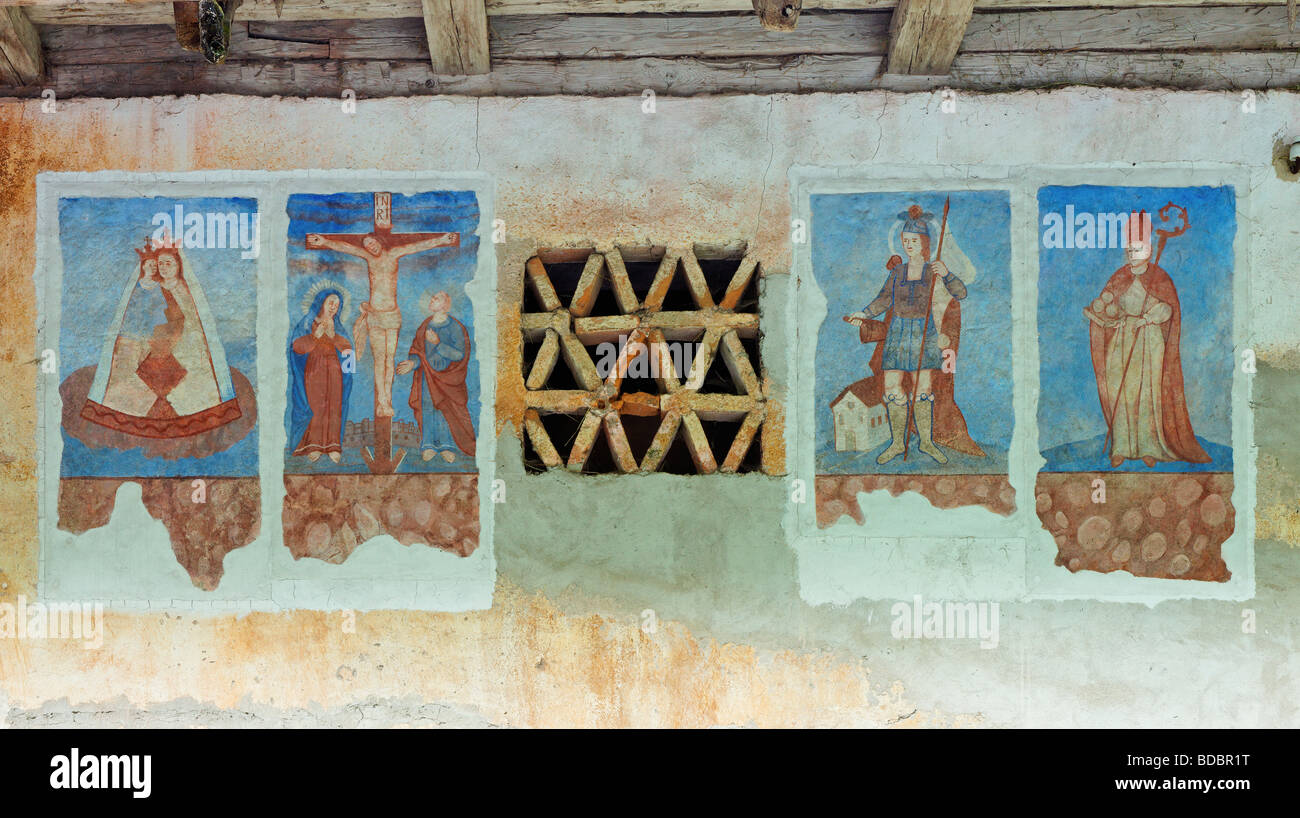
(162, 382)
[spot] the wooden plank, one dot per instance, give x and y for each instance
(862, 32)
(588, 286)
(525, 37)
(594, 36)
(541, 440)
(584, 442)
(695, 280)
(457, 34)
(544, 364)
(698, 444)
(21, 62)
(680, 77)
(540, 281)
(131, 12)
(322, 31)
(621, 284)
(1136, 29)
(744, 439)
(109, 45)
(924, 35)
(618, 445)
(662, 442)
(739, 282)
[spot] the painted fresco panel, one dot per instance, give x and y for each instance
(157, 360)
(1135, 309)
(910, 398)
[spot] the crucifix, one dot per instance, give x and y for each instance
(380, 318)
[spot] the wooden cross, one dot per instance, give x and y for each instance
(383, 231)
(382, 270)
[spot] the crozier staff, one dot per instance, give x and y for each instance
(1135, 326)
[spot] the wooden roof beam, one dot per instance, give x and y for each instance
(458, 36)
(149, 12)
(924, 35)
(21, 61)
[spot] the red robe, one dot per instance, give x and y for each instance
(1174, 420)
(323, 378)
(446, 388)
(949, 424)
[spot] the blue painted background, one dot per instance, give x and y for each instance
(1071, 426)
(97, 237)
(449, 268)
(850, 245)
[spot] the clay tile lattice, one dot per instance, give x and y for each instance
(660, 351)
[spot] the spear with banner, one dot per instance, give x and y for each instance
(929, 308)
(1164, 235)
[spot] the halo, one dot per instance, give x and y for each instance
(895, 232)
(327, 284)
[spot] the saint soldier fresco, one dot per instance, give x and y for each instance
(359, 463)
(154, 374)
(1134, 413)
(919, 397)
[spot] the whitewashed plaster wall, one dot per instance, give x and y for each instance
(580, 560)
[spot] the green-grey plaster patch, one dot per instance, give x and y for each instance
(1277, 395)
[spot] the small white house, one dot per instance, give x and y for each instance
(859, 426)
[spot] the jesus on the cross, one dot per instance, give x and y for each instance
(380, 318)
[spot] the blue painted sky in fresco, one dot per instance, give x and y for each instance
(1200, 263)
(850, 245)
(447, 269)
(97, 237)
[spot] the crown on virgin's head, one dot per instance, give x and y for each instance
(147, 252)
(152, 247)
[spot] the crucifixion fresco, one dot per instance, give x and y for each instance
(377, 293)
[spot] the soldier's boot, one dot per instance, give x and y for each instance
(924, 411)
(896, 409)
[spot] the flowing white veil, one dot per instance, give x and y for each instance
(208, 326)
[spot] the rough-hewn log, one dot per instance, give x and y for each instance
(680, 77)
(832, 33)
(924, 35)
(457, 35)
(867, 32)
(130, 12)
(20, 49)
(111, 45)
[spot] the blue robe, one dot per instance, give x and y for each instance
(299, 408)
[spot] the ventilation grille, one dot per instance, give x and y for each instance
(642, 360)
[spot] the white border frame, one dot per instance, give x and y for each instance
(444, 581)
(1013, 558)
